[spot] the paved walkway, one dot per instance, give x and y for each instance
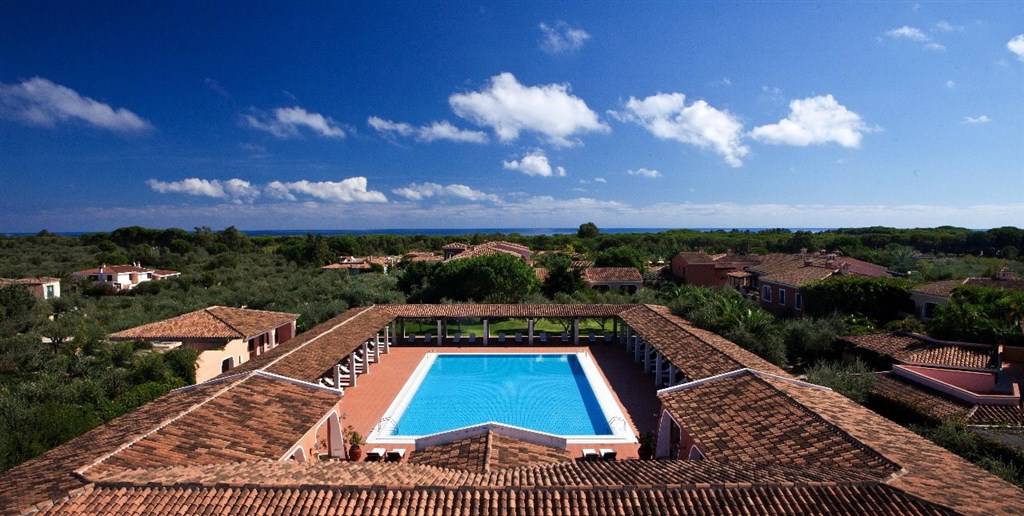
(365, 404)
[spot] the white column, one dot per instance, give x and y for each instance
(337, 377)
(387, 338)
(530, 332)
(657, 369)
(440, 336)
(366, 357)
(636, 349)
(352, 370)
(576, 332)
(487, 330)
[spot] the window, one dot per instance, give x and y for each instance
(49, 291)
(227, 364)
(798, 301)
(766, 294)
(782, 296)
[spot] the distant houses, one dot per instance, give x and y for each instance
(225, 337)
(42, 288)
(122, 277)
(458, 250)
(932, 295)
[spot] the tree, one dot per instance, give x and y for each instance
(16, 307)
(588, 230)
(562, 278)
(496, 278)
(880, 299)
(977, 314)
(621, 257)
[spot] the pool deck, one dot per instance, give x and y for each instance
(365, 404)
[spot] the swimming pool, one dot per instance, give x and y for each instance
(561, 394)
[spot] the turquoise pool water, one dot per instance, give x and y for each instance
(544, 392)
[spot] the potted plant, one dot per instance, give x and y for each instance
(355, 441)
(647, 444)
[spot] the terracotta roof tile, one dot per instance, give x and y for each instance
(938, 288)
(488, 452)
(915, 396)
(742, 417)
(911, 348)
(611, 274)
(215, 322)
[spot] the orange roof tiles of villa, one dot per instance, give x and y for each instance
(740, 417)
(612, 274)
(217, 447)
(215, 322)
(911, 348)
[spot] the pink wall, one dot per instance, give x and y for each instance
(971, 386)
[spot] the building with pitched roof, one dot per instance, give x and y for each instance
(736, 435)
(613, 278)
(932, 295)
(705, 270)
(122, 277)
(42, 287)
(778, 277)
(458, 250)
(225, 337)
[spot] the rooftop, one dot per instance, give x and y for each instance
(215, 322)
(915, 349)
(773, 444)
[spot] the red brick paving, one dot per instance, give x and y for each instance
(365, 404)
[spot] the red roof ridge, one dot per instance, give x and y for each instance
(315, 338)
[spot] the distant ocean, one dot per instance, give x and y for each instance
(457, 232)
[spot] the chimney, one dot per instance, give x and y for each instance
(808, 262)
(844, 268)
(1004, 274)
(803, 251)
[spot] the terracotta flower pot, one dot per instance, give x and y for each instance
(354, 452)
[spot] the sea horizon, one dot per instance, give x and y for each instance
(455, 231)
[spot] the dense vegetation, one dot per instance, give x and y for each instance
(54, 389)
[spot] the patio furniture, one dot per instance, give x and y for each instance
(590, 454)
(607, 453)
(544, 337)
(458, 337)
(501, 337)
(395, 455)
(472, 338)
(375, 454)
(519, 337)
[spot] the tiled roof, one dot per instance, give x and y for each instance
(917, 397)
(582, 264)
(496, 246)
(612, 275)
(697, 353)
(357, 266)
(938, 288)
(911, 348)
(541, 273)
(488, 452)
(796, 270)
(203, 449)
(693, 258)
(504, 310)
(741, 417)
(995, 415)
(928, 470)
(115, 269)
(215, 322)
(852, 499)
(258, 416)
(27, 281)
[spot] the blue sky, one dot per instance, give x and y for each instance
(344, 115)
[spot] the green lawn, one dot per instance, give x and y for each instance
(510, 327)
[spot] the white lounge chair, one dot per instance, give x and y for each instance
(607, 453)
(590, 454)
(395, 455)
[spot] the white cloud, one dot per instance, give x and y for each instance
(420, 191)
(950, 84)
(534, 164)
(238, 190)
(215, 87)
(561, 38)
(935, 46)
(814, 120)
(352, 189)
(1016, 45)
(38, 101)
(983, 119)
(945, 26)
(600, 180)
(644, 172)
(667, 117)
(443, 130)
(286, 122)
(509, 108)
(905, 32)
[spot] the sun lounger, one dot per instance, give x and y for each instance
(607, 337)
(458, 337)
(544, 337)
(375, 454)
(565, 337)
(590, 337)
(590, 454)
(519, 337)
(501, 337)
(472, 338)
(395, 455)
(607, 453)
